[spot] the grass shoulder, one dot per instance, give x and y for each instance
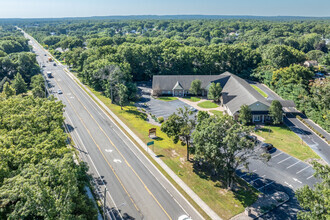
(286, 140)
(225, 203)
(207, 104)
(260, 91)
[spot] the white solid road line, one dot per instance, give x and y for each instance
(277, 155)
(284, 160)
(302, 170)
(293, 164)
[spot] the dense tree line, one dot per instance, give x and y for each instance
(38, 176)
(271, 52)
(17, 64)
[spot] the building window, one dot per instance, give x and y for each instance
(256, 117)
(169, 92)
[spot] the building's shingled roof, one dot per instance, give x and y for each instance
(236, 91)
(167, 82)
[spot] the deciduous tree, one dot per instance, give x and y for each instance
(214, 92)
(276, 112)
(245, 115)
(179, 127)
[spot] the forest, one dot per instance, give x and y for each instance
(269, 51)
(38, 176)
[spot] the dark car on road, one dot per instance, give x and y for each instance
(54, 64)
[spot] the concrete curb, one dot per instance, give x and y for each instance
(184, 186)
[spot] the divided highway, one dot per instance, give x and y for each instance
(136, 189)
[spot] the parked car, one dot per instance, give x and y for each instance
(54, 64)
(59, 91)
(267, 147)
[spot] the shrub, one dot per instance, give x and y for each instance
(160, 119)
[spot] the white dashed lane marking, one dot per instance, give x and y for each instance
(108, 150)
(117, 161)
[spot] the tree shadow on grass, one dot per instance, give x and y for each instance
(137, 114)
(242, 192)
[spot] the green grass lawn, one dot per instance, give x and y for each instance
(225, 203)
(193, 99)
(217, 113)
(167, 98)
(260, 91)
(207, 104)
(286, 140)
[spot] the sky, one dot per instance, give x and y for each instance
(87, 8)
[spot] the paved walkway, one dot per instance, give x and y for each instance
(177, 179)
(195, 105)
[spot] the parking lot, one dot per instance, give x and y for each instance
(281, 169)
(281, 173)
(158, 107)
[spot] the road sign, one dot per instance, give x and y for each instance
(152, 132)
(150, 143)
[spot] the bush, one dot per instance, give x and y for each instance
(160, 119)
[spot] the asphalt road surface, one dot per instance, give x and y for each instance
(136, 189)
(310, 138)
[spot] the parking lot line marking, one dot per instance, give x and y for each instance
(302, 170)
(288, 184)
(257, 179)
(265, 185)
(284, 160)
(277, 155)
(293, 164)
(297, 180)
(309, 177)
(254, 170)
(244, 174)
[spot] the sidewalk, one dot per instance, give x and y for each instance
(195, 105)
(184, 186)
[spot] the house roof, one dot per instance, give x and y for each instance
(168, 82)
(235, 93)
(177, 86)
(238, 92)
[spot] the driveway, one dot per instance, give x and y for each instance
(317, 144)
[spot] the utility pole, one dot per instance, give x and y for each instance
(104, 202)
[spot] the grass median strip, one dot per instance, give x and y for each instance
(225, 203)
